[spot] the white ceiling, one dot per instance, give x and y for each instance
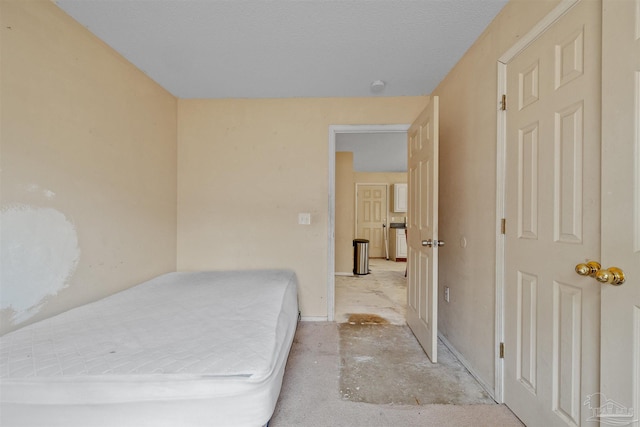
(288, 48)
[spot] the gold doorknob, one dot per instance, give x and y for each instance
(588, 269)
(612, 275)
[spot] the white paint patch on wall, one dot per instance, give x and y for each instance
(38, 253)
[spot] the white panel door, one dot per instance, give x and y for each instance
(620, 352)
(552, 315)
(372, 216)
(422, 287)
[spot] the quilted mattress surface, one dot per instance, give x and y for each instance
(179, 336)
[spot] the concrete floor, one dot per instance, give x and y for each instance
(376, 346)
(383, 292)
(384, 364)
(312, 392)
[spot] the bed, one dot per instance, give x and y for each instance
(183, 349)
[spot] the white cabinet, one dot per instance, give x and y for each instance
(401, 243)
(398, 244)
(400, 197)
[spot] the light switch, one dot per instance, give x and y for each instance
(304, 218)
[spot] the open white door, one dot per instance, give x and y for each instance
(620, 330)
(422, 231)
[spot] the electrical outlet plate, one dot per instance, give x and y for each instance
(304, 218)
(446, 294)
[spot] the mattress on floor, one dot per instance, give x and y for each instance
(203, 348)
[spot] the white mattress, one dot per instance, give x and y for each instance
(205, 348)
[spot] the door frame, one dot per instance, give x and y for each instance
(331, 226)
(501, 150)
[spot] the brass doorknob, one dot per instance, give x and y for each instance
(612, 275)
(588, 269)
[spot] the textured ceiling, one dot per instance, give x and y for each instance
(285, 48)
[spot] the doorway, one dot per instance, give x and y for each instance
(422, 229)
(334, 131)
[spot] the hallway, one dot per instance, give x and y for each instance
(383, 292)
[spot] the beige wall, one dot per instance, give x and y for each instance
(88, 157)
(345, 212)
(246, 168)
(468, 116)
(346, 180)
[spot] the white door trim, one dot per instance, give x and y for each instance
(331, 226)
(562, 8)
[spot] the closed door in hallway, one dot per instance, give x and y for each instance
(552, 316)
(372, 216)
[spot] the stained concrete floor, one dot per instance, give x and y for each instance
(382, 292)
(310, 395)
(384, 364)
(381, 361)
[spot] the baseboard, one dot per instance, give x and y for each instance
(314, 318)
(467, 365)
(343, 274)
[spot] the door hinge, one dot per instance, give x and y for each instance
(501, 350)
(503, 226)
(503, 103)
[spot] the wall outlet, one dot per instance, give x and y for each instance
(304, 218)
(446, 293)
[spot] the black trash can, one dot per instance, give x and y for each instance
(360, 256)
